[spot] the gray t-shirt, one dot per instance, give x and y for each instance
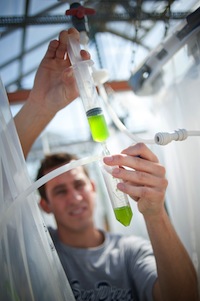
(121, 269)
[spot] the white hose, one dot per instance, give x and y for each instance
(161, 138)
(56, 172)
(117, 121)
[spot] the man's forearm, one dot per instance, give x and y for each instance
(30, 122)
(177, 278)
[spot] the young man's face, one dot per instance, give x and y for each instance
(71, 199)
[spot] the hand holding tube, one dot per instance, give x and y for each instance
(143, 179)
(54, 88)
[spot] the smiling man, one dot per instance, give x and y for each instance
(96, 263)
(107, 266)
(70, 197)
(101, 265)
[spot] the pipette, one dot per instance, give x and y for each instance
(98, 127)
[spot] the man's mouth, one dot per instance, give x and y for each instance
(77, 211)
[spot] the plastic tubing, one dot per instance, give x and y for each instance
(160, 138)
(56, 172)
(118, 122)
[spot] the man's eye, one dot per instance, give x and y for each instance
(61, 191)
(79, 185)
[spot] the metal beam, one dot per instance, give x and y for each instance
(13, 21)
(21, 96)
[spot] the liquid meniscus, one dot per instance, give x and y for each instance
(123, 215)
(98, 126)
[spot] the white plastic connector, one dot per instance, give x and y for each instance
(165, 138)
(84, 39)
(100, 76)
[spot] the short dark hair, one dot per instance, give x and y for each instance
(51, 161)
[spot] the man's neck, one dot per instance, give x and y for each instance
(88, 238)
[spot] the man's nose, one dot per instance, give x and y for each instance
(75, 196)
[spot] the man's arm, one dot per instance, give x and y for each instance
(145, 182)
(177, 278)
(54, 88)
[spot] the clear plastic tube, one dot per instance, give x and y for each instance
(119, 200)
(98, 126)
(87, 90)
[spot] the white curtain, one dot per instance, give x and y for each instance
(29, 265)
(177, 106)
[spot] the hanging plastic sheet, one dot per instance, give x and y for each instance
(29, 265)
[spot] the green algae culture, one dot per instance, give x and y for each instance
(123, 215)
(97, 123)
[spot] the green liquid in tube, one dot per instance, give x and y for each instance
(98, 127)
(100, 133)
(123, 215)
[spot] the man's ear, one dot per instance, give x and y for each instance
(93, 185)
(45, 205)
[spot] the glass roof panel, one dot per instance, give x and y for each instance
(118, 43)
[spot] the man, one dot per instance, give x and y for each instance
(95, 261)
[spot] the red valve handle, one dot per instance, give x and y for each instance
(80, 12)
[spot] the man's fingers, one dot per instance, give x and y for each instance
(51, 51)
(136, 163)
(58, 49)
(85, 55)
(62, 48)
(139, 178)
(73, 31)
(139, 193)
(140, 150)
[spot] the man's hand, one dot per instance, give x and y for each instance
(55, 86)
(143, 177)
